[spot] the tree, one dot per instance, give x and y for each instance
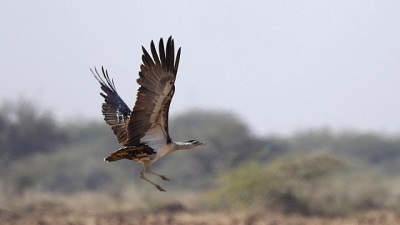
(24, 130)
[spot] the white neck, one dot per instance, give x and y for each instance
(175, 146)
(181, 146)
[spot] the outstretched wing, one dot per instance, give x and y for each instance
(116, 112)
(156, 79)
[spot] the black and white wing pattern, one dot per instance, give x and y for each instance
(116, 112)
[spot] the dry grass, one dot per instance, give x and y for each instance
(99, 209)
(56, 215)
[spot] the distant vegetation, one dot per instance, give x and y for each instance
(314, 172)
(24, 131)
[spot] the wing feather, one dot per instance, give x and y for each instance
(116, 112)
(154, 53)
(146, 57)
(156, 79)
(162, 54)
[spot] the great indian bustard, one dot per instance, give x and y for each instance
(143, 132)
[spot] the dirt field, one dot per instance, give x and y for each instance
(102, 209)
(62, 216)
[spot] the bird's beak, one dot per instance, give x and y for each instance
(204, 144)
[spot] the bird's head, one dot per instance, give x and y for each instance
(194, 143)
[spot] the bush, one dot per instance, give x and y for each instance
(293, 183)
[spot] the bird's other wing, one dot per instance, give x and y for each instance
(156, 79)
(116, 112)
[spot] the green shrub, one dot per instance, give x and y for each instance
(290, 184)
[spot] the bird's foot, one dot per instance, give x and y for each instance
(164, 178)
(160, 188)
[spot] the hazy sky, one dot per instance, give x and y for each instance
(280, 65)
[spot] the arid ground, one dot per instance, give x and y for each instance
(50, 215)
(99, 209)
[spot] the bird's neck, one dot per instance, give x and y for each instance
(181, 146)
(173, 146)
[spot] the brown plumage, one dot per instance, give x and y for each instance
(143, 132)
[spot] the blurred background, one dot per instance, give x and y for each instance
(297, 101)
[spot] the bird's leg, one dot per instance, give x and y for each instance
(144, 178)
(147, 170)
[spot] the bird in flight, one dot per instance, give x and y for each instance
(143, 132)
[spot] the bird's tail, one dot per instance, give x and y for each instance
(117, 155)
